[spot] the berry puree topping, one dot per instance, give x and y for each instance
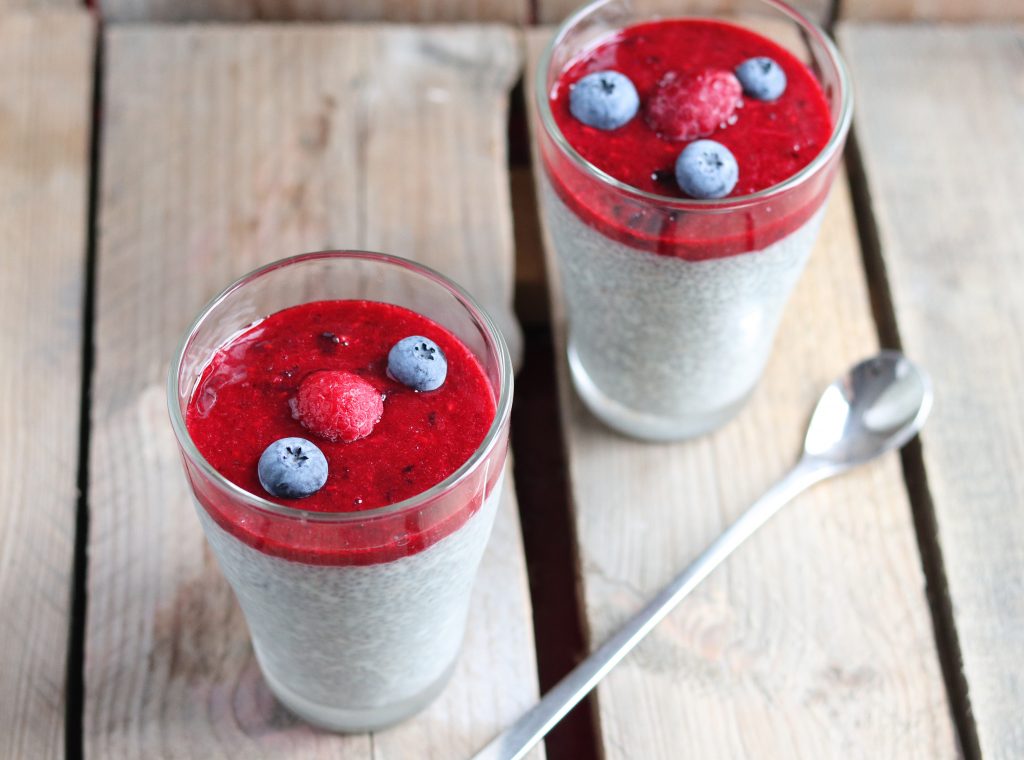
(695, 79)
(318, 374)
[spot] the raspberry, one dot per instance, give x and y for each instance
(685, 107)
(338, 406)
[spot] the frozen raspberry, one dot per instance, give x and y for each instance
(338, 406)
(685, 107)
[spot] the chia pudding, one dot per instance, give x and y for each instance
(673, 295)
(351, 647)
(355, 594)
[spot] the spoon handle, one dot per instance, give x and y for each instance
(517, 739)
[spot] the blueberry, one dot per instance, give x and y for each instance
(604, 99)
(292, 468)
(417, 362)
(762, 78)
(706, 169)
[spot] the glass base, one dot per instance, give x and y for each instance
(644, 425)
(357, 721)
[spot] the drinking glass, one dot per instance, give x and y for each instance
(356, 618)
(672, 304)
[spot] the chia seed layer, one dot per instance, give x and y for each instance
(663, 347)
(355, 648)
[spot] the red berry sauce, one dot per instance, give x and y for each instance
(772, 141)
(244, 401)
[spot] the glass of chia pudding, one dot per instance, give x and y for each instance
(343, 423)
(686, 165)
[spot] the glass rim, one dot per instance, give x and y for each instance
(492, 335)
(835, 141)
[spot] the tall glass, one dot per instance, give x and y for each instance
(673, 304)
(356, 618)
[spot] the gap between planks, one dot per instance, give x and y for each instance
(79, 598)
(540, 463)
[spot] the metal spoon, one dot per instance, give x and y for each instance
(879, 405)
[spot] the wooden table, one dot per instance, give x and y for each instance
(142, 167)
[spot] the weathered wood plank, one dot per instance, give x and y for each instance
(815, 639)
(45, 106)
(933, 10)
(225, 147)
(512, 11)
(554, 11)
(940, 125)
(38, 5)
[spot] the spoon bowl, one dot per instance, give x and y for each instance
(877, 406)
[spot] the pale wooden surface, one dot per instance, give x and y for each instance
(512, 11)
(554, 11)
(940, 124)
(38, 5)
(45, 100)
(225, 147)
(815, 639)
(933, 10)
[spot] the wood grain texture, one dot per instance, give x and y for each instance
(38, 5)
(814, 640)
(952, 239)
(512, 11)
(45, 106)
(555, 11)
(932, 10)
(225, 147)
